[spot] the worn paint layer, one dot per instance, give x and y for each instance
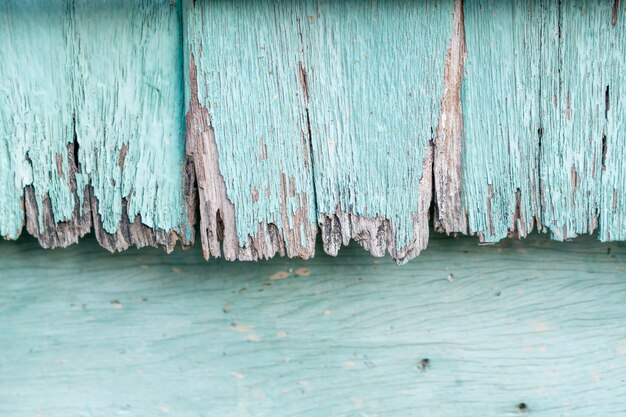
(91, 122)
(247, 128)
(368, 121)
(584, 179)
(542, 93)
(501, 123)
(375, 76)
(466, 330)
(315, 111)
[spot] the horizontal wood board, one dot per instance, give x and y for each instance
(520, 328)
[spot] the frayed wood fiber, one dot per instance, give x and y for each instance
(273, 121)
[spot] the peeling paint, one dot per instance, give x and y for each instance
(65, 81)
(360, 119)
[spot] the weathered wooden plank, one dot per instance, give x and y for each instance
(247, 129)
(612, 212)
(538, 94)
(578, 188)
(501, 117)
(375, 73)
(129, 120)
(327, 67)
(358, 118)
(36, 122)
(91, 122)
(535, 322)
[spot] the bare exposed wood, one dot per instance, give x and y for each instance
(52, 233)
(450, 216)
(217, 213)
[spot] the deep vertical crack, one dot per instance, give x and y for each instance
(539, 214)
(309, 137)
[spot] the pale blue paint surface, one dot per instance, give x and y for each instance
(592, 58)
(523, 78)
(85, 333)
(248, 56)
(367, 77)
(35, 108)
(374, 77)
(133, 98)
(376, 82)
(613, 186)
(501, 115)
(111, 70)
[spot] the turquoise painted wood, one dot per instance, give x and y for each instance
(375, 74)
(307, 99)
(543, 93)
(91, 118)
(129, 119)
(245, 73)
(368, 121)
(588, 156)
(35, 104)
(501, 116)
(464, 330)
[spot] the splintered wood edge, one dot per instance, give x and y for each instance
(52, 234)
(205, 192)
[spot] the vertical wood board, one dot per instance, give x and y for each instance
(332, 105)
(375, 73)
(91, 121)
(247, 128)
(501, 121)
(542, 93)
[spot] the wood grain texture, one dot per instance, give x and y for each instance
(358, 85)
(587, 129)
(91, 122)
(501, 117)
(541, 77)
(375, 76)
(449, 215)
(36, 179)
(247, 129)
(368, 121)
(612, 210)
(535, 322)
(492, 127)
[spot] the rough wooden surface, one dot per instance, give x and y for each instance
(247, 129)
(366, 121)
(449, 214)
(501, 122)
(542, 94)
(373, 110)
(464, 330)
(91, 130)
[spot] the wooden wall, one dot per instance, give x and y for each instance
(364, 121)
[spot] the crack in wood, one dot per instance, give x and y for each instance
(557, 178)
